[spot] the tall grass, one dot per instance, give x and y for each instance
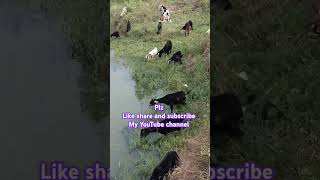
(270, 41)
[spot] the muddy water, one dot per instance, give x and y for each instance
(122, 99)
(40, 112)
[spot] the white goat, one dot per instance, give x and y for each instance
(152, 53)
(124, 11)
(164, 14)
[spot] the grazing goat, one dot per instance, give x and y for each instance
(166, 49)
(171, 99)
(187, 28)
(124, 11)
(152, 53)
(159, 28)
(165, 14)
(226, 113)
(163, 130)
(128, 26)
(176, 58)
(167, 165)
(115, 34)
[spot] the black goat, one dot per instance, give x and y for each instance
(163, 130)
(128, 26)
(226, 113)
(187, 27)
(176, 57)
(166, 49)
(167, 165)
(115, 34)
(159, 28)
(171, 99)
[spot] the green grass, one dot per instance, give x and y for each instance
(271, 42)
(157, 74)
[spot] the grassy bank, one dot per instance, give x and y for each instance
(271, 42)
(192, 143)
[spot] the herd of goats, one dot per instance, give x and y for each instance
(164, 17)
(171, 159)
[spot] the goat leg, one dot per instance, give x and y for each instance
(171, 108)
